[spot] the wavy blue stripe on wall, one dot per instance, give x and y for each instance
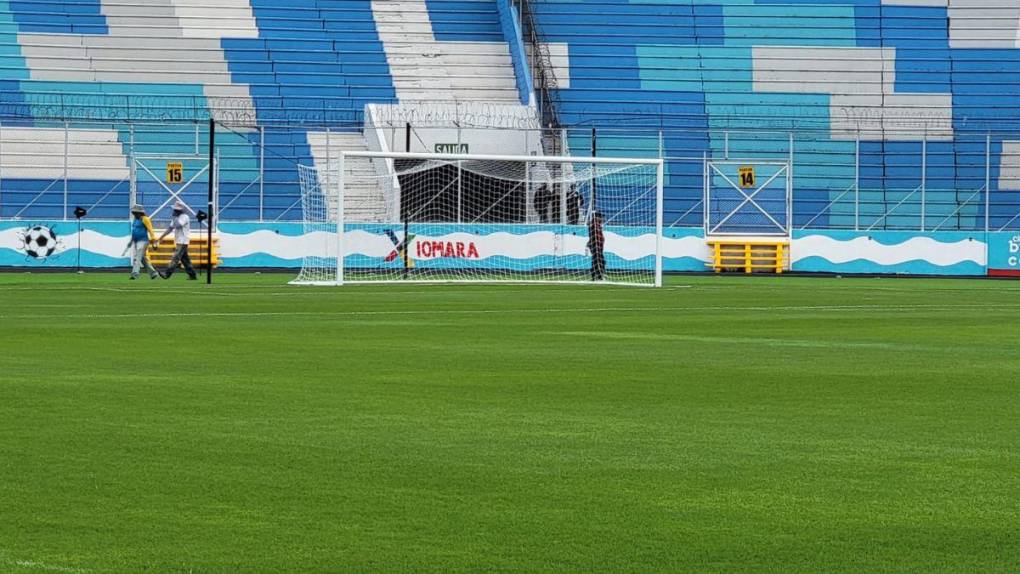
(821, 265)
(69, 258)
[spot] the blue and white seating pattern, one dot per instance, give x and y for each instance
(893, 73)
(878, 93)
(168, 65)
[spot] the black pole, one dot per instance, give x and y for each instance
(209, 206)
(79, 245)
(403, 203)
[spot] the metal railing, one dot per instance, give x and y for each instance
(48, 169)
(542, 73)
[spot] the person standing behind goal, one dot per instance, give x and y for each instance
(597, 246)
(180, 225)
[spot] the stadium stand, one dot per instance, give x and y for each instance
(861, 83)
(906, 106)
(271, 73)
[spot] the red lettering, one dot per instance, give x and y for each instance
(460, 249)
(417, 247)
(437, 248)
(424, 249)
(472, 253)
(449, 250)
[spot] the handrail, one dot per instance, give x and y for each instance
(959, 208)
(829, 205)
(543, 75)
(889, 212)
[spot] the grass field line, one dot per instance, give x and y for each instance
(37, 565)
(362, 289)
(468, 312)
(381, 291)
(764, 341)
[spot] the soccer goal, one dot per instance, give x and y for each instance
(405, 217)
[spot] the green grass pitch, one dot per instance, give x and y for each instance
(720, 424)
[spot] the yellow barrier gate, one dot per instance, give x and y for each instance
(160, 256)
(749, 256)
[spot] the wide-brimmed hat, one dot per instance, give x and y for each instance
(137, 208)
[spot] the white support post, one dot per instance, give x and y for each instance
(262, 172)
(563, 188)
(1, 169)
(329, 157)
(707, 218)
(988, 182)
(340, 222)
(67, 152)
(529, 199)
(660, 180)
(924, 177)
(460, 192)
(460, 174)
(133, 170)
(216, 185)
(857, 183)
(789, 191)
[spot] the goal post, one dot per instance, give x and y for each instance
(412, 217)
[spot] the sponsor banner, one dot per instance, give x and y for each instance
(522, 247)
(39, 244)
(1004, 254)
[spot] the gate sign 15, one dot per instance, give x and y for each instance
(174, 172)
(746, 173)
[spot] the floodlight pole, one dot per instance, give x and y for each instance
(209, 206)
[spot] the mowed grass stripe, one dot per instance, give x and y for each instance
(734, 424)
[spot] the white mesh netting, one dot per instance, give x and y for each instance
(430, 218)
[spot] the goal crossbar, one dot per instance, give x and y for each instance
(506, 158)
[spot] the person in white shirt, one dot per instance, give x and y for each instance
(180, 225)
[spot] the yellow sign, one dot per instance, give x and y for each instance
(174, 172)
(746, 173)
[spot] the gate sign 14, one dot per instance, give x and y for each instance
(174, 172)
(746, 173)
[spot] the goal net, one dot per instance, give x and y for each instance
(431, 217)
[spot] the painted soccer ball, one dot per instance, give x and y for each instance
(40, 242)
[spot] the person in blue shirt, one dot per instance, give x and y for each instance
(141, 235)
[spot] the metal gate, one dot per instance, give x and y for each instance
(157, 181)
(748, 197)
